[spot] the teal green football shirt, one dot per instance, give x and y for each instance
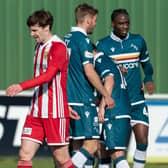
(130, 53)
(105, 67)
(79, 89)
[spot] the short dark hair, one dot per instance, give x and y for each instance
(40, 17)
(117, 12)
(84, 9)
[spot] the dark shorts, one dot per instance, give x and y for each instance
(139, 114)
(88, 126)
(115, 133)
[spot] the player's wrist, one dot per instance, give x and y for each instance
(148, 78)
(22, 85)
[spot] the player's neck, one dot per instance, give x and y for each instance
(47, 38)
(83, 27)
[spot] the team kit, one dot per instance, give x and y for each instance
(79, 86)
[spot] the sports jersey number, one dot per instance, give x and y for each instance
(69, 49)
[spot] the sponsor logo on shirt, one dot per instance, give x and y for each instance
(131, 65)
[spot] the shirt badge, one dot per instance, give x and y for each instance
(112, 49)
(45, 54)
(87, 114)
(134, 46)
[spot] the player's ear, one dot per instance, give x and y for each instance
(47, 28)
(88, 19)
(112, 24)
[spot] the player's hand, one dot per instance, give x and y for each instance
(109, 102)
(150, 87)
(101, 114)
(73, 114)
(13, 90)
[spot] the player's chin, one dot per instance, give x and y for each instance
(124, 33)
(36, 40)
(90, 31)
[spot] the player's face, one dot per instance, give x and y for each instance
(121, 25)
(38, 33)
(91, 24)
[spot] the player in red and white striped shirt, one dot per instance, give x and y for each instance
(49, 114)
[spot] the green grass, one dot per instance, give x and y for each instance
(47, 162)
(38, 162)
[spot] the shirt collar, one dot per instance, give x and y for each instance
(73, 29)
(53, 38)
(116, 38)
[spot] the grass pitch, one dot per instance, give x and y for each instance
(47, 162)
(38, 162)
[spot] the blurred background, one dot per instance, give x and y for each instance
(147, 17)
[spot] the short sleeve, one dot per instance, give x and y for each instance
(86, 51)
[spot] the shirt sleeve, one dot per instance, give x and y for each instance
(99, 46)
(57, 58)
(86, 51)
(102, 66)
(145, 62)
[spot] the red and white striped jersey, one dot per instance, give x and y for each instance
(50, 80)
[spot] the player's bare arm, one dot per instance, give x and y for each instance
(96, 82)
(73, 114)
(108, 84)
(101, 111)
